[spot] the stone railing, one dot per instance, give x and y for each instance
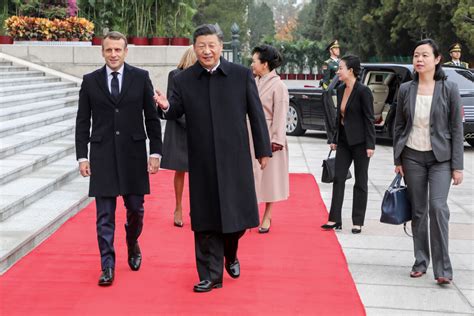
(77, 60)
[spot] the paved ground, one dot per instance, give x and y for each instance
(381, 257)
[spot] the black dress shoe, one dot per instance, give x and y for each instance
(356, 230)
(233, 268)
(107, 277)
(207, 286)
(337, 226)
(134, 257)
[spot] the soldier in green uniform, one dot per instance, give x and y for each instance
(331, 65)
(455, 53)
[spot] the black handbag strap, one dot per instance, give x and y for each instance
(329, 155)
(405, 229)
(396, 182)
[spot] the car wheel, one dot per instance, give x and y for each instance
(470, 141)
(293, 122)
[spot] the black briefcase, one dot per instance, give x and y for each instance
(329, 169)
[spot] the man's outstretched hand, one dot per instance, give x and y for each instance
(161, 100)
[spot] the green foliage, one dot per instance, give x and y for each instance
(463, 22)
(43, 9)
(260, 23)
(224, 13)
(382, 28)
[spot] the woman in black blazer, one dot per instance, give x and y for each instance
(354, 140)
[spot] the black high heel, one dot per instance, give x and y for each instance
(336, 226)
(262, 230)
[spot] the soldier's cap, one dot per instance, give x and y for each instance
(333, 44)
(456, 47)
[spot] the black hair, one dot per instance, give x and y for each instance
(208, 29)
(352, 62)
(268, 54)
(439, 73)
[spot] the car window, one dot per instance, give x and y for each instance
(463, 78)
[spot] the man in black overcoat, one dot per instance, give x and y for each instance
(216, 97)
(119, 100)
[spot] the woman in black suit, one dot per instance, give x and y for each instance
(354, 140)
(175, 148)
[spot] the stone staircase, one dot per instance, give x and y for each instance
(40, 187)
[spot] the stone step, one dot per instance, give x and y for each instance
(14, 112)
(7, 82)
(35, 137)
(5, 63)
(15, 166)
(13, 100)
(22, 232)
(16, 195)
(12, 68)
(36, 87)
(30, 122)
(21, 74)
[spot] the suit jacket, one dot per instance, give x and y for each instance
(446, 128)
(358, 116)
(221, 185)
(118, 155)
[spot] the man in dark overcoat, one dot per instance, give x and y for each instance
(119, 100)
(216, 97)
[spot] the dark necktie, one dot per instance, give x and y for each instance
(115, 85)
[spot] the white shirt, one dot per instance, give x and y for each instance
(110, 76)
(419, 137)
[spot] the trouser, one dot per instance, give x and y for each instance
(211, 248)
(344, 157)
(428, 182)
(106, 224)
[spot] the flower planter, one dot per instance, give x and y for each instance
(300, 76)
(97, 40)
(6, 39)
(142, 41)
(283, 76)
(291, 77)
(159, 41)
(179, 41)
(310, 76)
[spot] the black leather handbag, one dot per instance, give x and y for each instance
(396, 207)
(329, 169)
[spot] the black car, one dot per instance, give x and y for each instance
(314, 108)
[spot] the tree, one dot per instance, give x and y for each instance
(260, 23)
(224, 13)
(463, 22)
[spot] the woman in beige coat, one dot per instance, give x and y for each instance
(272, 183)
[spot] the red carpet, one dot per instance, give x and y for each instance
(296, 269)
